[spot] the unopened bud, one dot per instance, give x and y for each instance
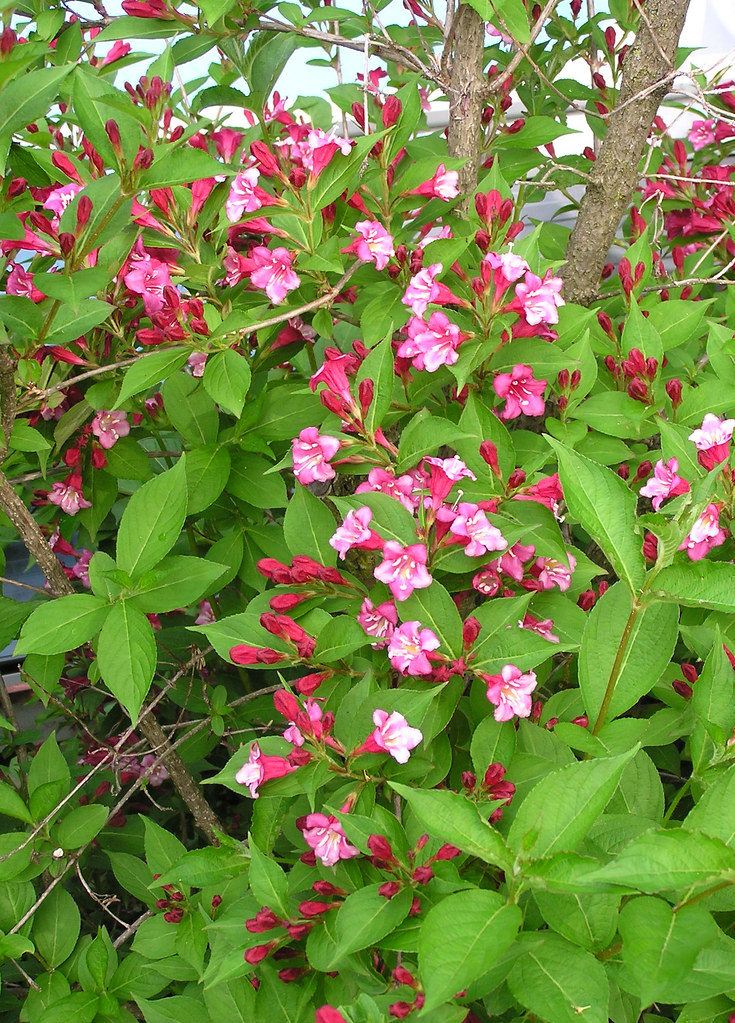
(391, 111)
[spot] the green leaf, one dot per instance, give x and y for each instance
(80, 826)
(62, 624)
(19, 314)
(584, 919)
(605, 507)
(77, 1007)
(268, 882)
(422, 436)
(250, 483)
(174, 1009)
(378, 367)
(12, 615)
(435, 609)
(366, 916)
(233, 1000)
(698, 584)
(640, 650)
(390, 519)
(614, 415)
(537, 131)
(660, 946)
(461, 938)
(455, 819)
(492, 742)
(714, 814)
(176, 581)
(561, 808)
(190, 409)
(162, 848)
(308, 526)
(149, 371)
(713, 699)
(152, 521)
(56, 926)
(95, 102)
(213, 865)
(676, 859)
(48, 779)
(128, 461)
(126, 655)
(227, 379)
(207, 472)
(28, 98)
(11, 804)
(179, 165)
(340, 636)
(68, 324)
(558, 981)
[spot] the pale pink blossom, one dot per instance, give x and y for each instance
(68, 495)
(441, 185)
(243, 197)
(539, 299)
(403, 569)
(271, 271)
(373, 244)
(148, 277)
(206, 614)
(665, 483)
(408, 647)
(394, 735)
(423, 289)
(712, 440)
(379, 621)
(109, 427)
(355, 531)
(472, 523)
(325, 836)
(508, 268)
(521, 392)
(261, 768)
(701, 134)
(383, 481)
(553, 573)
(433, 344)
(196, 363)
(80, 570)
(705, 534)
(311, 455)
(158, 774)
(510, 692)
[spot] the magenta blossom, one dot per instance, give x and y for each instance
(701, 134)
(68, 495)
(355, 531)
(665, 483)
(704, 534)
(507, 265)
(383, 481)
(542, 627)
(553, 573)
(444, 473)
(245, 196)
(408, 647)
(80, 570)
(379, 621)
(393, 735)
(311, 455)
(431, 344)
(423, 289)
(403, 569)
(109, 427)
(325, 836)
(471, 523)
(539, 299)
(148, 277)
(521, 392)
(510, 692)
(441, 185)
(712, 440)
(271, 271)
(373, 244)
(60, 198)
(261, 768)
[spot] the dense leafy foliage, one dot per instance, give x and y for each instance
(388, 648)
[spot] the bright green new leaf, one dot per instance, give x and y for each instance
(558, 981)
(714, 814)
(152, 521)
(227, 379)
(676, 859)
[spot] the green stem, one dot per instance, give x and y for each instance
(616, 669)
(677, 799)
(705, 894)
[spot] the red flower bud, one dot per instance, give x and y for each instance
(311, 907)
(470, 632)
(286, 704)
(391, 111)
(690, 673)
(489, 454)
(682, 688)
(258, 953)
(389, 889)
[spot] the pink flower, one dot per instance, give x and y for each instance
(325, 836)
(117, 51)
(423, 289)
(403, 569)
(293, 733)
(378, 621)
(206, 614)
(148, 277)
(542, 627)
(68, 495)
(441, 185)
(311, 455)
(158, 775)
(394, 735)
(196, 363)
(243, 197)
(261, 768)
(511, 563)
(665, 483)
(373, 245)
(510, 692)
(472, 523)
(553, 573)
(20, 282)
(712, 441)
(521, 392)
(408, 647)
(704, 534)
(355, 531)
(701, 134)
(60, 198)
(109, 427)
(445, 472)
(539, 299)
(383, 481)
(508, 268)
(431, 344)
(272, 272)
(80, 570)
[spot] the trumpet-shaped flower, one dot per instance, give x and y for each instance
(373, 244)
(431, 344)
(712, 440)
(311, 455)
(403, 569)
(325, 836)
(394, 735)
(408, 647)
(664, 483)
(261, 768)
(510, 692)
(705, 534)
(521, 392)
(539, 299)
(355, 531)
(109, 427)
(271, 271)
(472, 524)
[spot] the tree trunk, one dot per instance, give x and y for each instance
(647, 74)
(466, 89)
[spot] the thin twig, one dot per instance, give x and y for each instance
(131, 929)
(498, 83)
